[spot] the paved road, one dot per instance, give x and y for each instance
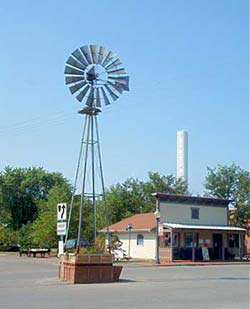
(32, 283)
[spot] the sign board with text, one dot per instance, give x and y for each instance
(61, 228)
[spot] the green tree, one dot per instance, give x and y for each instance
(21, 189)
(42, 231)
(230, 182)
(165, 184)
(135, 196)
(87, 231)
(8, 237)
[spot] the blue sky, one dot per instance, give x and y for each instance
(188, 64)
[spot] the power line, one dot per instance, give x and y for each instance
(35, 123)
(54, 119)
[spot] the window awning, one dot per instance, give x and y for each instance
(202, 227)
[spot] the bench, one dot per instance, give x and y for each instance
(34, 251)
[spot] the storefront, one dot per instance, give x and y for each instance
(196, 243)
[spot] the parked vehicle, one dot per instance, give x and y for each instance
(72, 243)
(10, 248)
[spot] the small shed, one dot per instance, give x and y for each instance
(137, 235)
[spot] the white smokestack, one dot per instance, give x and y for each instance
(182, 155)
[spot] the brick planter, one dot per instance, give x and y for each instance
(88, 269)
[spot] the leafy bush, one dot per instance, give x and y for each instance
(8, 238)
(100, 245)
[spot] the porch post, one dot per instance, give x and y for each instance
(157, 217)
(223, 246)
(157, 242)
(193, 248)
(171, 245)
(240, 245)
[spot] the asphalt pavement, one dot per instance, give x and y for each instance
(33, 283)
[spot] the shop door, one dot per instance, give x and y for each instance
(217, 244)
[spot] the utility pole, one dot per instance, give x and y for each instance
(157, 217)
(129, 228)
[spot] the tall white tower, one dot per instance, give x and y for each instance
(182, 155)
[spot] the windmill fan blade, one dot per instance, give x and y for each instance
(75, 63)
(78, 55)
(105, 97)
(77, 87)
(113, 64)
(72, 71)
(109, 57)
(112, 94)
(73, 79)
(98, 98)
(120, 79)
(116, 86)
(102, 54)
(124, 80)
(122, 86)
(117, 72)
(82, 94)
(90, 99)
(93, 49)
(85, 51)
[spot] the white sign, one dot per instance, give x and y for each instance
(62, 212)
(61, 228)
(205, 254)
(160, 231)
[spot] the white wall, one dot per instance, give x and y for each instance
(181, 213)
(147, 251)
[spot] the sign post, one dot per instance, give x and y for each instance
(61, 225)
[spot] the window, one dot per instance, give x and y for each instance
(188, 240)
(233, 241)
(167, 240)
(140, 240)
(195, 213)
(175, 240)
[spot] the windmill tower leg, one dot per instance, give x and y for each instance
(93, 172)
(87, 142)
(107, 215)
(76, 176)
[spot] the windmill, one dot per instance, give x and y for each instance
(96, 78)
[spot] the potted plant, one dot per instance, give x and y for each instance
(91, 264)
